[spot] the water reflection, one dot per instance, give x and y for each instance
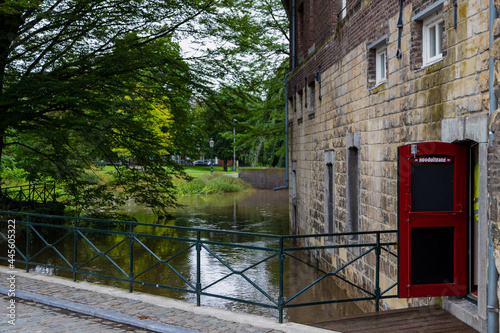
(260, 212)
(173, 262)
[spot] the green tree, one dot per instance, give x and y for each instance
(82, 80)
(129, 117)
(260, 121)
(255, 95)
(265, 124)
(86, 80)
(223, 111)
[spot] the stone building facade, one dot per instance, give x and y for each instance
(369, 76)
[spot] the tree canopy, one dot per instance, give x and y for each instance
(255, 95)
(89, 80)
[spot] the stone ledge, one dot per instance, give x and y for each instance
(466, 311)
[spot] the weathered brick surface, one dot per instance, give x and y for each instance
(408, 108)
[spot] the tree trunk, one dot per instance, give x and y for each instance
(9, 27)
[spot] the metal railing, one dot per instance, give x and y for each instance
(134, 253)
(30, 193)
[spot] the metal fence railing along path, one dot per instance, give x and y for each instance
(170, 257)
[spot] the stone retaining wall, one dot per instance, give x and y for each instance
(264, 179)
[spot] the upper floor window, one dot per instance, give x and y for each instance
(377, 62)
(428, 36)
(432, 39)
(381, 65)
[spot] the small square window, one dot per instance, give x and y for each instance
(381, 65)
(432, 40)
(377, 62)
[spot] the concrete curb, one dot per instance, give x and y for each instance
(242, 318)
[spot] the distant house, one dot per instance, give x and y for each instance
(393, 125)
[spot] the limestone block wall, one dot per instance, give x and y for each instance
(408, 108)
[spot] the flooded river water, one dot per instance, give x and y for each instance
(263, 212)
(257, 212)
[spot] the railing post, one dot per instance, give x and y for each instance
(377, 273)
(27, 243)
(75, 248)
(280, 297)
(131, 258)
(198, 268)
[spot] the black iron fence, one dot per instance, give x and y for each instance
(170, 257)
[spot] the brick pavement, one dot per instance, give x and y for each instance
(103, 309)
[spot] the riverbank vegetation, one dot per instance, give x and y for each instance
(95, 82)
(200, 180)
(215, 183)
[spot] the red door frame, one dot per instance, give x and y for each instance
(457, 219)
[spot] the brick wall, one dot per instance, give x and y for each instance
(365, 22)
(315, 21)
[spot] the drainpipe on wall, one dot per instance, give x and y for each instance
(492, 307)
(286, 134)
(286, 99)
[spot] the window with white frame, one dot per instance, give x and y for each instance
(377, 62)
(381, 65)
(432, 39)
(344, 9)
(428, 35)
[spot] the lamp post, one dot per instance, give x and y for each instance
(234, 146)
(211, 155)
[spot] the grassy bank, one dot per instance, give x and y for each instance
(203, 182)
(211, 184)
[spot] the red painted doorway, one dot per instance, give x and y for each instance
(432, 219)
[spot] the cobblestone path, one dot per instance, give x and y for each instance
(114, 310)
(35, 317)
